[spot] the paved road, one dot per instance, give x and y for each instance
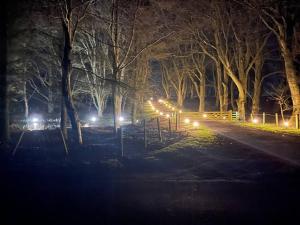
(227, 182)
(284, 147)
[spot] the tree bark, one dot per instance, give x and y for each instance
(4, 103)
(202, 94)
(291, 75)
(66, 85)
(26, 108)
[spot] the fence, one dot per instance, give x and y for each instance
(276, 119)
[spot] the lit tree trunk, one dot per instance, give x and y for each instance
(219, 86)
(225, 92)
(232, 96)
(26, 110)
(202, 94)
(50, 104)
(4, 103)
(257, 86)
(291, 75)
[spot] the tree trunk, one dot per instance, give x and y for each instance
(66, 86)
(63, 119)
(291, 76)
(232, 96)
(4, 108)
(219, 86)
(202, 94)
(179, 99)
(26, 108)
(225, 92)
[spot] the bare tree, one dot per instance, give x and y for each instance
(280, 94)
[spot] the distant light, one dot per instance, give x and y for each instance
(173, 108)
(204, 115)
(35, 120)
(161, 113)
(180, 111)
(35, 125)
(224, 117)
(151, 99)
(159, 100)
(186, 120)
(168, 115)
(93, 119)
(157, 111)
(286, 123)
(137, 121)
(121, 118)
(195, 124)
(255, 120)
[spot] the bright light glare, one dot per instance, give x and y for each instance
(286, 123)
(34, 120)
(186, 120)
(204, 116)
(35, 125)
(224, 117)
(161, 113)
(196, 124)
(180, 111)
(151, 99)
(121, 118)
(157, 111)
(255, 120)
(93, 119)
(173, 108)
(159, 100)
(168, 115)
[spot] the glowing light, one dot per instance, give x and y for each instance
(121, 118)
(35, 120)
(159, 100)
(255, 120)
(186, 120)
(161, 113)
(93, 119)
(151, 99)
(286, 123)
(204, 115)
(195, 124)
(224, 117)
(173, 108)
(35, 125)
(137, 121)
(180, 111)
(157, 111)
(168, 115)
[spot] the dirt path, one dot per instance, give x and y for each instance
(284, 147)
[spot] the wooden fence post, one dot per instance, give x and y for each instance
(264, 117)
(276, 119)
(158, 128)
(297, 121)
(230, 115)
(145, 135)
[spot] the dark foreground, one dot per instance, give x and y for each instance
(220, 182)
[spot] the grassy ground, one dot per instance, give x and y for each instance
(270, 128)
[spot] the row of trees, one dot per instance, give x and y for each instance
(73, 51)
(240, 44)
(68, 52)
